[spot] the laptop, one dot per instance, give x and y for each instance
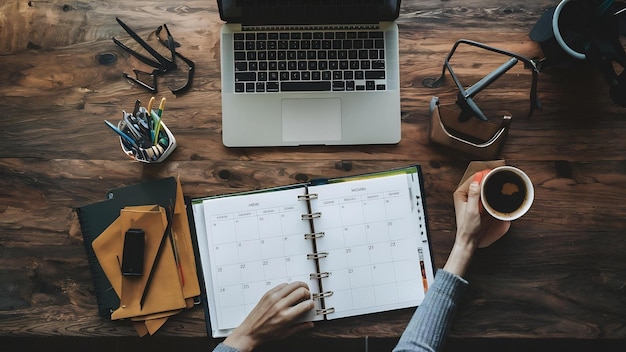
(309, 72)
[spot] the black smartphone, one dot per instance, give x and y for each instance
(132, 256)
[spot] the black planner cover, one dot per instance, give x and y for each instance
(94, 218)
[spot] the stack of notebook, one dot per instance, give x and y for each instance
(103, 225)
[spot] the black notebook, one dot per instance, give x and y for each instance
(96, 217)
(360, 243)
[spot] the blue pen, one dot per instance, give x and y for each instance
(122, 134)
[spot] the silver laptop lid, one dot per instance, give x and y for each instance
(264, 12)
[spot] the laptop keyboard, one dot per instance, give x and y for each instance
(267, 62)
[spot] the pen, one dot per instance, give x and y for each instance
(166, 234)
(122, 134)
(155, 116)
(174, 241)
(127, 125)
(137, 105)
(161, 107)
(150, 103)
(142, 123)
(148, 110)
(158, 122)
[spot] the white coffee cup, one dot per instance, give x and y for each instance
(506, 193)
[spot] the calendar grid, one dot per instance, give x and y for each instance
(358, 244)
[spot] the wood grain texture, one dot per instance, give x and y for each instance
(559, 273)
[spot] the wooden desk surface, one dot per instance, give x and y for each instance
(559, 273)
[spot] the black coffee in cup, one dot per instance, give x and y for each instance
(505, 191)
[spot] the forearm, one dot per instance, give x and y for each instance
(223, 348)
(430, 323)
(460, 258)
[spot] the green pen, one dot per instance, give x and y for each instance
(158, 121)
(157, 126)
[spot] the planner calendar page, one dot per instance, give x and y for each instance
(374, 234)
(253, 243)
(369, 233)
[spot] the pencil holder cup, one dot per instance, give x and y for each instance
(159, 151)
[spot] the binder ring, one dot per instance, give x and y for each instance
(318, 255)
(322, 294)
(311, 216)
(323, 275)
(310, 236)
(307, 196)
(324, 311)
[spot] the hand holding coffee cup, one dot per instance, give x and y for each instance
(506, 193)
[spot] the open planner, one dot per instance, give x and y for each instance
(361, 244)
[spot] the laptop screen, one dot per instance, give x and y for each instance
(290, 12)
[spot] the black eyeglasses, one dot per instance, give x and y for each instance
(159, 62)
(465, 97)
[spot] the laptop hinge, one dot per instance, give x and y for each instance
(316, 27)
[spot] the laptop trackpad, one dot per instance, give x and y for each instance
(311, 120)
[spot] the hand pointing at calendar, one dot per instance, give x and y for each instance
(273, 317)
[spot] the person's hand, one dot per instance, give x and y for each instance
(475, 228)
(273, 317)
